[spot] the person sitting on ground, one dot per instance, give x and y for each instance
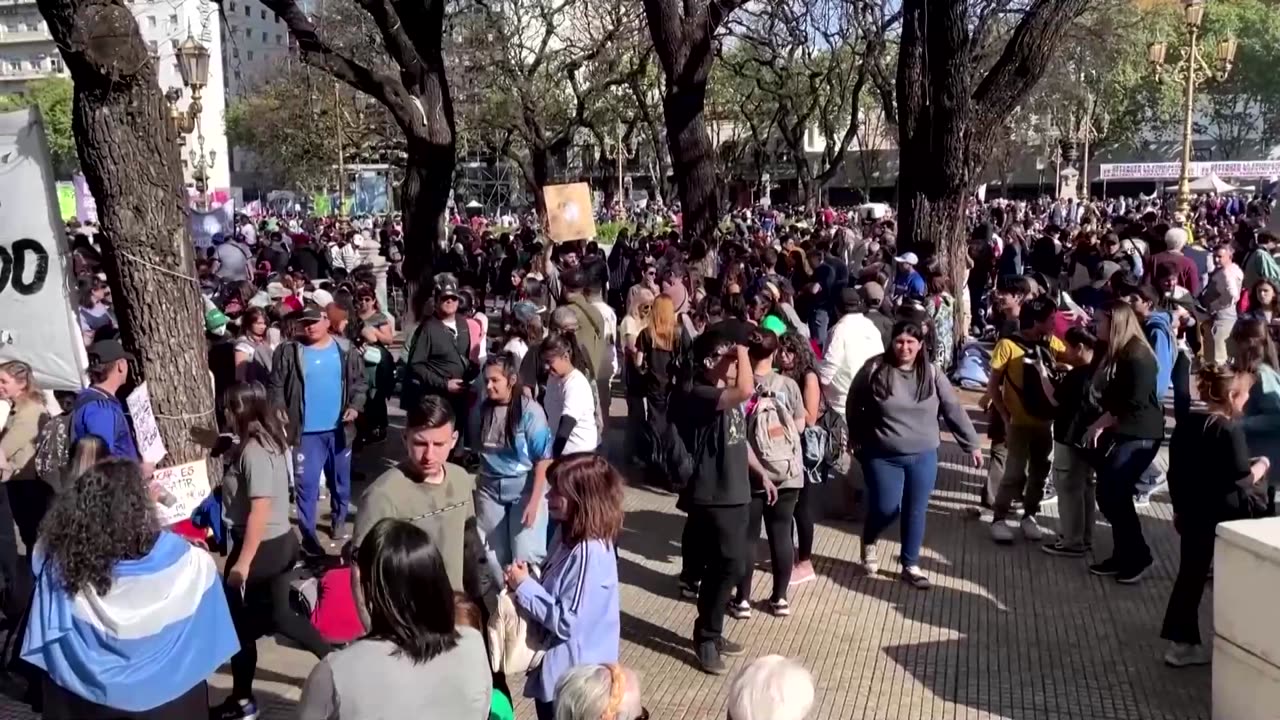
(771, 688)
(416, 661)
(103, 658)
(589, 692)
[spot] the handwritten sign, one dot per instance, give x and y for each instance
(180, 490)
(569, 215)
(145, 430)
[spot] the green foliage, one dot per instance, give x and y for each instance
(1246, 105)
(54, 98)
(607, 233)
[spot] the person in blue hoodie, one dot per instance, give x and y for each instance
(576, 602)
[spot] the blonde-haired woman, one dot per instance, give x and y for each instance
(1125, 437)
(27, 492)
(639, 306)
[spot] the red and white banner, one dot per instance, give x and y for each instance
(1242, 169)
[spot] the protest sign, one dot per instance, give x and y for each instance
(180, 490)
(38, 324)
(145, 429)
(569, 215)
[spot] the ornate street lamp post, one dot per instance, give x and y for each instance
(193, 66)
(1191, 70)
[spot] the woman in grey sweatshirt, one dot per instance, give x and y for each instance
(892, 410)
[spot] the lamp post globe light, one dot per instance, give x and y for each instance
(1191, 70)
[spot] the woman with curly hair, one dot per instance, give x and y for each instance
(796, 360)
(104, 658)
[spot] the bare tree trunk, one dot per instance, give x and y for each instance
(424, 200)
(693, 159)
(129, 154)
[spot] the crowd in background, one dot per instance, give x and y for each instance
(799, 348)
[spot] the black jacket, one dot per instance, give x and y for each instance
(435, 357)
(287, 389)
(1130, 394)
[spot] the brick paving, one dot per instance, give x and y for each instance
(1006, 632)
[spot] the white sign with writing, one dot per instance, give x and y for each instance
(145, 430)
(1170, 170)
(180, 490)
(37, 322)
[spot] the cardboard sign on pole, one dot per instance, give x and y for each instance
(569, 215)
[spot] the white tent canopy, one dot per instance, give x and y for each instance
(1210, 183)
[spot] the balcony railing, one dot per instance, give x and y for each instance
(24, 36)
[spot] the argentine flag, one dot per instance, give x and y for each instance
(162, 628)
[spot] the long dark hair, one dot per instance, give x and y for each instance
(515, 409)
(83, 547)
(251, 414)
(881, 382)
(406, 590)
(565, 342)
(800, 349)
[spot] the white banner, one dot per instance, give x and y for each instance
(1244, 169)
(37, 321)
(205, 224)
(145, 429)
(180, 490)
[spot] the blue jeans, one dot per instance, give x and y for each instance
(322, 451)
(899, 485)
(504, 531)
(1119, 463)
(818, 325)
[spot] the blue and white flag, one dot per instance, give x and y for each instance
(162, 628)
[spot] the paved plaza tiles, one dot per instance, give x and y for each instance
(1006, 632)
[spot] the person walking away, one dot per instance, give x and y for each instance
(376, 334)
(1212, 479)
(514, 441)
(573, 411)
(119, 663)
(255, 489)
(899, 396)
(854, 340)
(591, 326)
(1017, 397)
(235, 259)
(1124, 440)
(597, 276)
(1220, 297)
(1073, 476)
(438, 359)
(575, 602)
(321, 386)
(717, 497)
(417, 660)
(775, 416)
(433, 494)
(660, 349)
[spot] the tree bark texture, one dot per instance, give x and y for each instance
(683, 37)
(128, 150)
(949, 114)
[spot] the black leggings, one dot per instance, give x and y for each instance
(777, 527)
(264, 608)
(804, 524)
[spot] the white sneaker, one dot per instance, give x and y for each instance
(1001, 532)
(1183, 655)
(1031, 530)
(870, 559)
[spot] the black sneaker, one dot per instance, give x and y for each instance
(1106, 568)
(1130, 576)
(729, 648)
(709, 659)
(1062, 550)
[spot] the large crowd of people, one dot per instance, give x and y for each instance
(800, 347)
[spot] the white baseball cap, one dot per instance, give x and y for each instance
(908, 258)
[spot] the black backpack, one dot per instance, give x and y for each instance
(1037, 361)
